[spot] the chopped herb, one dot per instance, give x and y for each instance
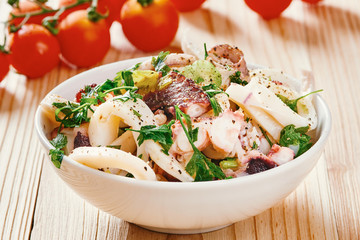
(199, 166)
(215, 106)
(206, 53)
(131, 94)
(210, 86)
(211, 90)
(135, 67)
(57, 155)
(247, 119)
(114, 146)
(291, 136)
(254, 146)
(59, 141)
(129, 175)
(235, 78)
(266, 136)
(121, 132)
(193, 133)
(124, 78)
(159, 63)
(97, 94)
(140, 156)
(161, 134)
(75, 114)
(137, 113)
(293, 103)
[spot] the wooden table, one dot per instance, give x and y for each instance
(324, 39)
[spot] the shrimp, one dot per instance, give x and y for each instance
(228, 60)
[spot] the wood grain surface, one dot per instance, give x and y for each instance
(323, 39)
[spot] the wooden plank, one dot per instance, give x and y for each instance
(324, 39)
(334, 52)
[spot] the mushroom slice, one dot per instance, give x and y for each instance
(103, 157)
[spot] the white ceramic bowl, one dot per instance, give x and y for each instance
(175, 207)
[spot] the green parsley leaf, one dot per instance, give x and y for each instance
(193, 133)
(114, 146)
(265, 135)
(209, 87)
(59, 141)
(136, 66)
(14, 3)
(293, 103)
(215, 106)
(291, 136)
(254, 146)
(129, 175)
(199, 165)
(159, 63)
(211, 90)
(161, 134)
(130, 94)
(137, 113)
(75, 114)
(57, 155)
(235, 78)
(206, 52)
(124, 78)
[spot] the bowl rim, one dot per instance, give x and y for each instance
(318, 146)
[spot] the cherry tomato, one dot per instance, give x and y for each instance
(4, 65)
(312, 1)
(268, 9)
(83, 42)
(114, 8)
(187, 5)
(64, 3)
(29, 7)
(34, 50)
(152, 27)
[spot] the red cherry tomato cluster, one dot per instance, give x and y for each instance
(272, 9)
(37, 42)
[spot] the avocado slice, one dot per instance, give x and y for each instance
(145, 80)
(203, 73)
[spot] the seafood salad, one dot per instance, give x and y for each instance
(175, 117)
